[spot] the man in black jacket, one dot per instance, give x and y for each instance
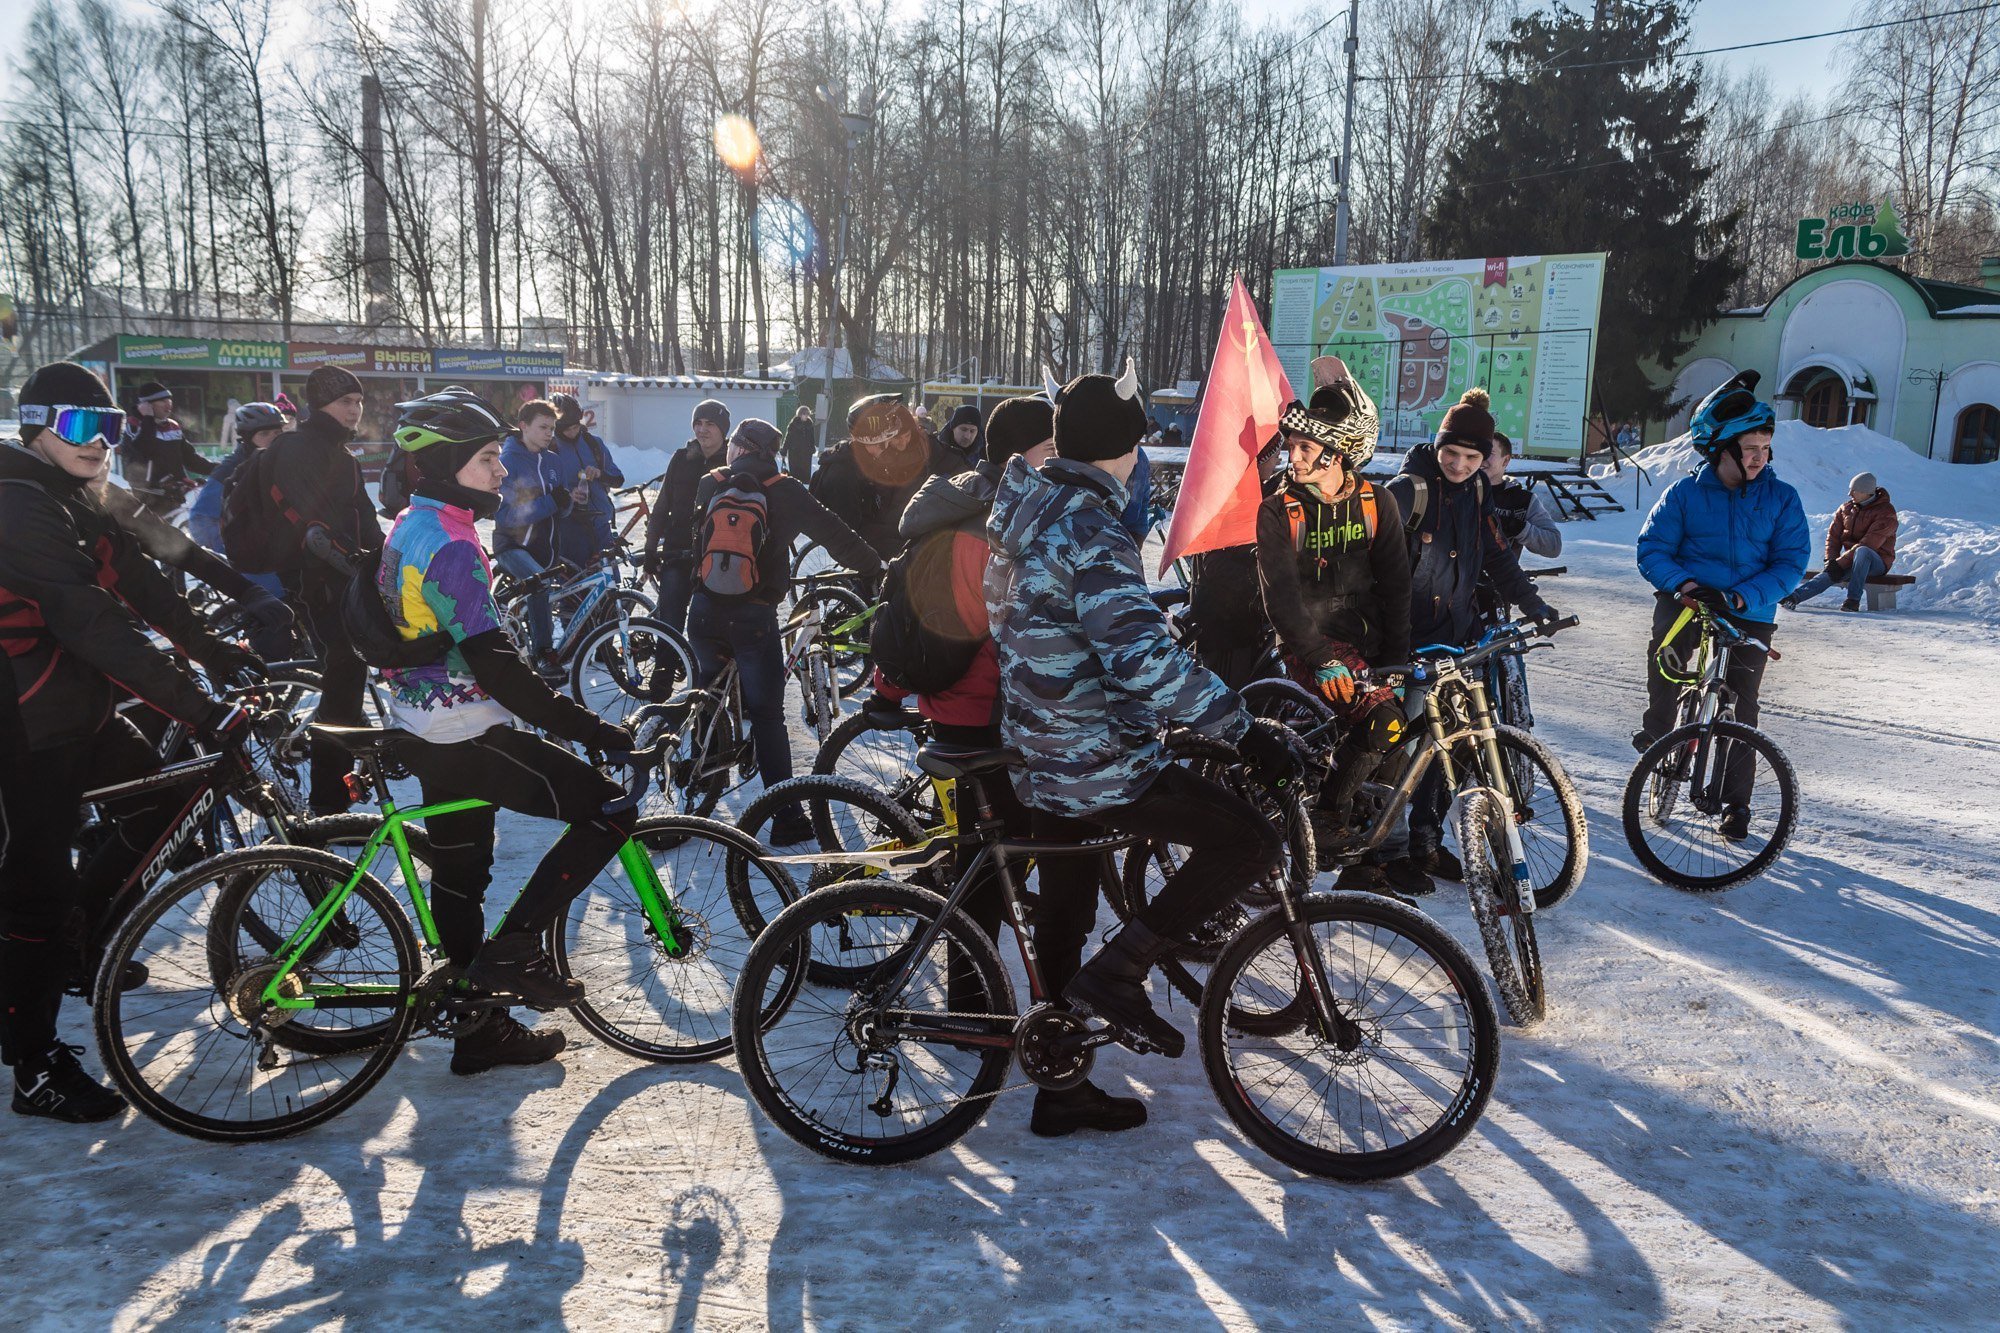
(73, 585)
(670, 527)
(745, 626)
(799, 441)
(868, 478)
(158, 456)
(1454, 541)
(337, 534)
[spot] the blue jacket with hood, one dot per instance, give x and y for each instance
(1753, 542)
(530, 499)
(1089, 674)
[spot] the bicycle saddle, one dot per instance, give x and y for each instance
(358, 741)
(958, 761)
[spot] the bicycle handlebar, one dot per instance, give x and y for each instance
(1421, 669)
(1548, 573)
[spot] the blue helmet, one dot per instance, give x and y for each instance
(1729, 413)
(253, 417)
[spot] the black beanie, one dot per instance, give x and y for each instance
(1018, 425)
(712, 409)
(1099, 417)
(61, 384)
(150, 391)
(328, 383)
(441, 462)
(569, 412)
(757, 436)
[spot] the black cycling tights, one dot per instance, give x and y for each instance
(523, 773)
(47, 906)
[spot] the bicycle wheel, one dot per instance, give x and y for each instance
(205, 1060)
(1676, 800)
(618, 667)
(1414, 1087)
(669, 1005)
(1507, 932)
(1283, 700)
(1555, 835)
(883, 754)
(820, 705)
(706, 748)
(847, 650)
(832, 1069)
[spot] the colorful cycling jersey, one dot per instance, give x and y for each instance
(436, 576)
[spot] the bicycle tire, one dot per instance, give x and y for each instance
(722, 917)
(609, 678)
(1513, 954)
(153, 1099)
(1558, 849)
(705, 753)
(1662, 755)
(850, 670)
(780, 948)
(1463, 1008)
(892, 769)
(1282, 699)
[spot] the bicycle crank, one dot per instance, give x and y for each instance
(1056, 1047)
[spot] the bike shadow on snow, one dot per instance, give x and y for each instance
(406, 1259)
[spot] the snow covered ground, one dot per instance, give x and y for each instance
(1779, 1107)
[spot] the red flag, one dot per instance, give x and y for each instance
(1247, 392)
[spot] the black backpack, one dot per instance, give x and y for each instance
(373, 632)
(922, 648)
(397, 485)
(261, 531)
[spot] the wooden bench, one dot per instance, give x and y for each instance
(1881, 589)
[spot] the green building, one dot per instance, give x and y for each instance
(1859, 342)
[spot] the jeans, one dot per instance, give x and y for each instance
(720, 630)
(1745, 679)
(541, 626)
(676, 583)
(1863, 565)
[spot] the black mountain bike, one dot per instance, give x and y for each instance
(1345, 1034)
(1713, 802)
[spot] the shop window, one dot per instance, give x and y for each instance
(1977, 437)
(1824, 403)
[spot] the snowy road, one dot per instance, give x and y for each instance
(1778, 1107)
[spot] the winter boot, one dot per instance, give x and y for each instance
(53, 1084)
(790, 828)
(514, 964)
(1642, 741)
(1113, 987)
(1789, 603)
(1735, 823)
(502, 1040)
(1362, 879)
(1085, 1106)
(1441, 864)
(1408, 877)
(1850, 605)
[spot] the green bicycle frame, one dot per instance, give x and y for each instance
(653, 898)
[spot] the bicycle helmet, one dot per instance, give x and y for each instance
(452, 416)
(253, 417)
(1730, 412)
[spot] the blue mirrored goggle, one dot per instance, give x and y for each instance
(76, 425)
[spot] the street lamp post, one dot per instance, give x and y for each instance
(1936, 379)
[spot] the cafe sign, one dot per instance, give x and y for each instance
(201, 353)
(1853, 231)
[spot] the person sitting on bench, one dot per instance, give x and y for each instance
(1860, 545)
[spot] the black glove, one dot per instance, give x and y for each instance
(268, 611)
(1511, 499)
(223, 660)
(1539, 611)
(881, 708)
(1511, 524)
(609, 739)
(1265, 748)
(1713, 598)
(227, 725)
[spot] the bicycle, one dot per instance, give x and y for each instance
(1507, 672)
(617, 656)
(241, 1034)
(875, 1022)
(1690, 781)
(1522, 836)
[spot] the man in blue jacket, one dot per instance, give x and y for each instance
(1730, 535)
(532, 499)
(590, 474)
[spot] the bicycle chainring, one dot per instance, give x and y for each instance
(441, 1007)
(1048, 1041)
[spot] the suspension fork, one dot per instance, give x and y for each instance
(1496, 782)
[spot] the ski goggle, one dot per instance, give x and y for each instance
(79, 426)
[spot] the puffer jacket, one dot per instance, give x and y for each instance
(1752, 542)
(1454, 542)
(76, 598)
(1872, 525)
(945, 523)
(1089, 674)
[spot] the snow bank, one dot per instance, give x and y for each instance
(1949, 539)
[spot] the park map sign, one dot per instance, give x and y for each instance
(1416, 336)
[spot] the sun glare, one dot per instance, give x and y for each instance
(737, 144)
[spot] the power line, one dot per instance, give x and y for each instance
(1708, 51)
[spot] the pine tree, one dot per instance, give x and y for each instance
(1588, 138)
